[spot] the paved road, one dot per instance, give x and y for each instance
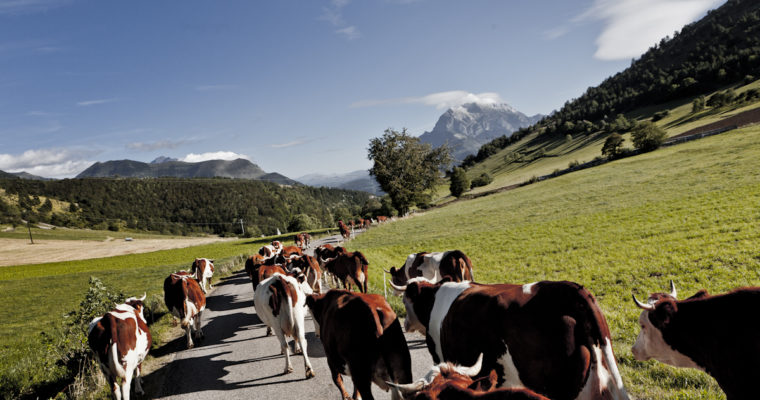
(236, 361)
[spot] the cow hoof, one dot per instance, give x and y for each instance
(288, 370)
(269, 332)
(310, 373)
(190, 345)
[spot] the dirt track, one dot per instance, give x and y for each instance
(19, 251)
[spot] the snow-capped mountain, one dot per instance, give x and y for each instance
(467, 127)
(355, 180)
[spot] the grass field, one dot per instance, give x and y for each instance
(41, 294)
(688, 213)
(21, 232)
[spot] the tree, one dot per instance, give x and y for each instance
(613, 146)
(647, 136)
(406, 168)
(482, 180)
(459, 182)
(698, 104)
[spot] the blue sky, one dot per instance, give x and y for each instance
(297, 87)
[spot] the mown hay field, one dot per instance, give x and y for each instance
(690, 213)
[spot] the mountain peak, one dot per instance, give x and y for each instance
(468, 126)
(163, 159)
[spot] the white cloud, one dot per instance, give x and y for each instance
(95, 102)
(161, 144)
(289, 144)
(29, 6)
(440, 100)
(216, 155)
(633, 26)
(49, 163)
(350, 32)
(214, 88)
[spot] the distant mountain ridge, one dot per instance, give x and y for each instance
(22, 175)
(467, 127)
(165, 167)
(355, 180)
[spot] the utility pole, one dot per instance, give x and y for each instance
(30, 231)
(242, 228)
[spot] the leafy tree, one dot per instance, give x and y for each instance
(46, 207)
(406, 168)
(386, 207)
(613, 146)
(459, 182)
(698, 104)
(647, 136)
(302, 222)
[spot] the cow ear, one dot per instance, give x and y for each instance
(393, 270)
(445, 279)
(301, 278)
(700, 294)
(663, 313)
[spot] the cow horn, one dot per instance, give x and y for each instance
(408, 388)
(386, 271)
(673, 289)
(642, 305)
(396, 287)
(144, 295)
(473, 370)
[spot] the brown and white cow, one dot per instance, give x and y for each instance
(448, 381)
(290, 251)
(203, 270)
(453, 264)
(361, 336)
(326, 252)
(351, 269)
(716, 334)
(303, 240)
(367, 223)
(310, 268)
(271, 250)
(550, 337)
(344, 232)
(185, 299)
(120, 340)
(280, 302)
(381, 219)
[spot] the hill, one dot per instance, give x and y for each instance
(166, 167)
(180, 205)
(355, 180)
(467, 127)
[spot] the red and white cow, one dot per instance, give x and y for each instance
(291, 251)
(362, 337)
(185, 300)
(351, 269)
(550, 337)
(303, 240)
(448, 381)
(453, 264)
(716, 334)
(271, 250)
(310, 268)
(344, 232)
(120, 340)
(381, 219)
(280, 302)
(203, 270)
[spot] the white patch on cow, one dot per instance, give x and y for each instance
(444, 297)
(602, 379)
(528, 288)
(650, 344)
(511, 375)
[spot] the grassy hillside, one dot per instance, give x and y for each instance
(687, 213)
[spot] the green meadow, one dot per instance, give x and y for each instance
(690, 213)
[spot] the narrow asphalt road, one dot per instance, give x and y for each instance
(236, 360)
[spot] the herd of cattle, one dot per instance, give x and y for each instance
(543, 340)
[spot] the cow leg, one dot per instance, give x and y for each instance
(339, 383)
(114, 385)
(301, 339)
(361, 374)
(269, 331)
(126, 383)
(198, 331)
(285, 350)
(138, 380)
(188, 328)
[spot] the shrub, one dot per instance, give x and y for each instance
(459, 182)
(573, 164)
(482, 180)
(660, 115)
(647, 136)
(613, 145)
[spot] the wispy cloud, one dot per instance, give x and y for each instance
(30, 6)
(38, 113)
(50, 163)
(630, 27)
(440, 100)
(214, 88)
(158, 145)
(87, 103)
(333, 14)
(216, 155)
(289, 144)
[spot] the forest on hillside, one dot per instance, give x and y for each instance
(177, 205)
(720, 50)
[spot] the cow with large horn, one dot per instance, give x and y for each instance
(434, 267)
(450, 381)
(550, 337)
(715, 334)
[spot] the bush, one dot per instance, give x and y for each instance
(660, 115)
(613, 146)
(459, 182)
(483, 180)
(573, 164)
(302, 222)
(647, 136)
